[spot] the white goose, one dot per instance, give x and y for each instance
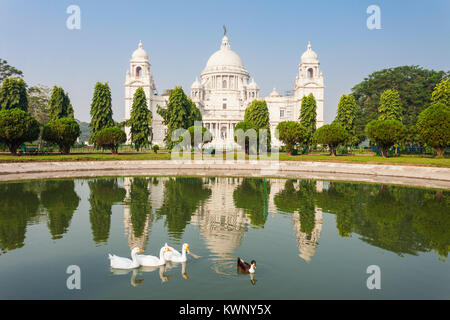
(125, 263)
(174, 255)
(152, 261)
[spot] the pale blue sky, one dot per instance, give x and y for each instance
(179, 36)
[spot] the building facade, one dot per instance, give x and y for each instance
(225, 90)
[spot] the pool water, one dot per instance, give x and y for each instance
(310, 239)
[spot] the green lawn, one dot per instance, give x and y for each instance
(402, 160)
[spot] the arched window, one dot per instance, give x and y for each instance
(224, 84)
(310, 73)
(138, 72)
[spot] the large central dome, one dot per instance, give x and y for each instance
(225, 56)
(224, 59)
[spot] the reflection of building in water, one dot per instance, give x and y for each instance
(307, 244)
(134, 241)
(221, 224)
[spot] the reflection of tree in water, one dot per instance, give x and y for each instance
(60, 200)
(306, 219)
(17, 207)
(139, 204)
(251, 195)
(399, 219)
(103, 194)
(182, 197)
(301, 200)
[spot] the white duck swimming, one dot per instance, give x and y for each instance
(125, 263)
(152, 261)
(174, 255)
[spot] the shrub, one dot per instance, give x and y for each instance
(155, 148)
(433, 126)
(385, 133)
(291, 133)
(110, 138)
(17, 127)
(331, 135)
(62, 132)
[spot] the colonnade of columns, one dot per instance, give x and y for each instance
(221, 130)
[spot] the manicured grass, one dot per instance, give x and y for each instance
(402, 160)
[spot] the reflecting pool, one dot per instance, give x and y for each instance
(310, 239)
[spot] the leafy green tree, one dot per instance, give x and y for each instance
(39, 103)
(332, 135)
(60, 200)
(181, 113)
(291, 133)
(308, 118)
(155, 148)
(104, 193)
(60, 106)
(390, 106)
(346, 117)
(17, 127)
(385, 133)
(63, 132)
(140, 120)
(7, 71)
(110, 138)
(433, 126)
(247, 141)
(13, 94)
(441, 92)
(413, 83)
(101, 109)
(204, 136)
(257, 113)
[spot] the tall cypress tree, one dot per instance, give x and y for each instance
(390, 107)
(13, 94)
(101, 109)
(308, 117)
(346, 117)
(60, 106)
(181, 112)
(140, 120)
(257, 114)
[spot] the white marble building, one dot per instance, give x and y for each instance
(225, 90)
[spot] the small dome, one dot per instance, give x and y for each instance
(196, 84)
(309, 56)
(139, 53)
(253, 85)
(274, 94)
(225, 56)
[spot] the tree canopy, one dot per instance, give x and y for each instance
(59, 104)
(17, 127)
(390, 106)
(63, 132)
(441, 92)
(13, 94)
(385, 133)
(332, 135)
(433, 126)
(308, 117)
(413, 83)
(346, 117)
(7, 71)
(101, 109)
(140, 120)
(181, 113)
(291, 133)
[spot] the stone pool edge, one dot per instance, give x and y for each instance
(428, 177)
